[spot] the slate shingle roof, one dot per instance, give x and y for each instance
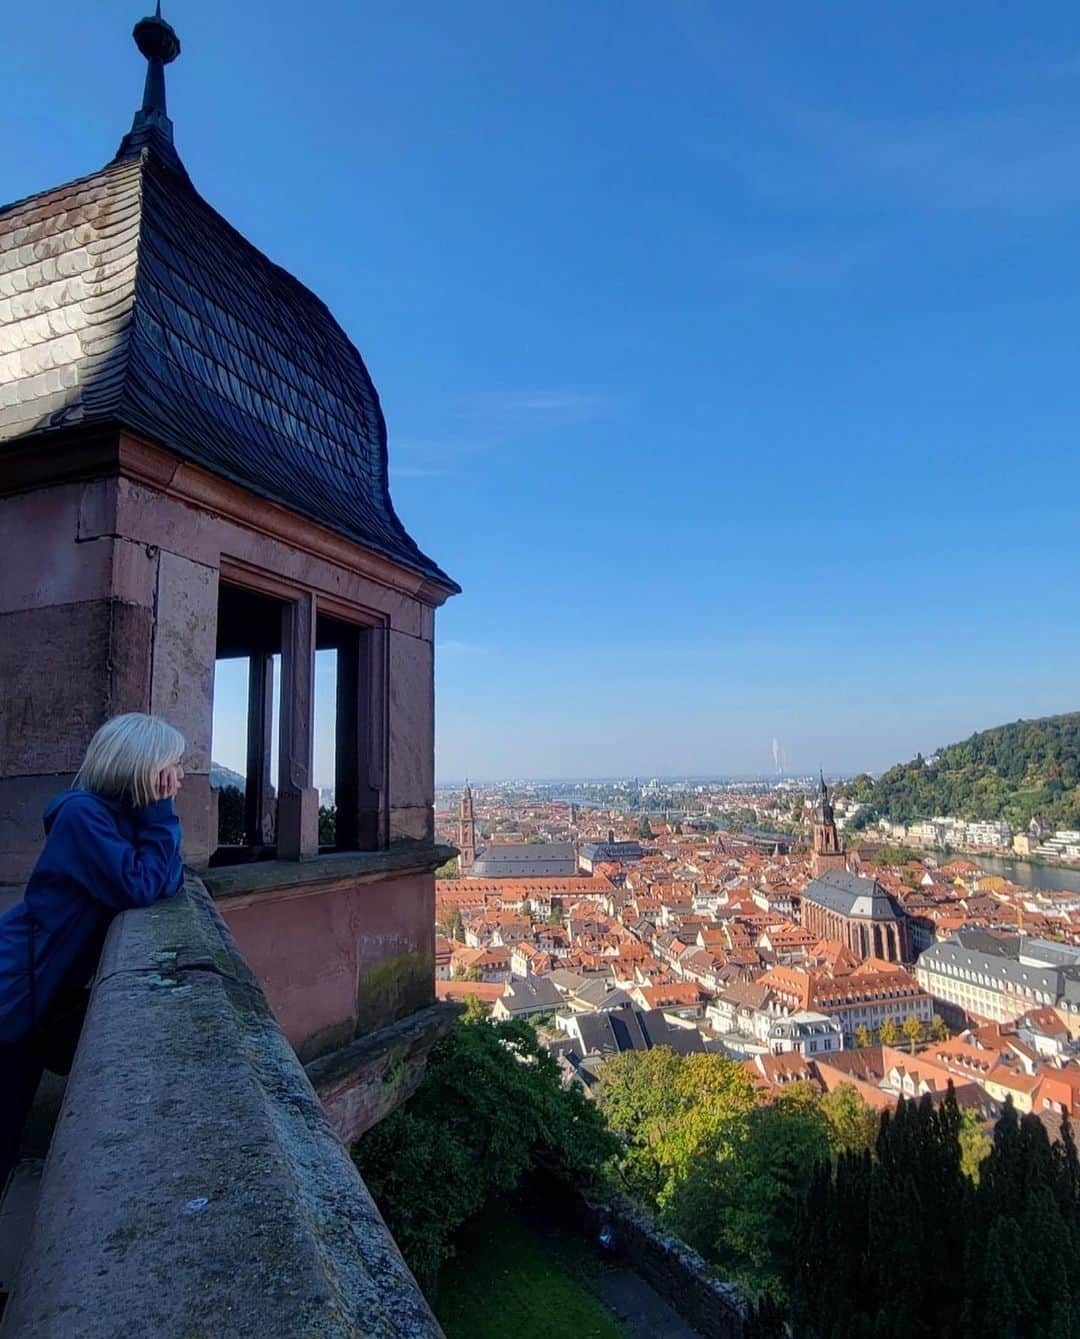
(600, 994)
(525, 860)
(126, 300)
(851, 895)
(632, 1029)
(999, 963)
(531, 992)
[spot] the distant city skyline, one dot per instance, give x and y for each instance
(230, 745)
(727, 352)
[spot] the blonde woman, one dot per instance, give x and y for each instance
(112, 841)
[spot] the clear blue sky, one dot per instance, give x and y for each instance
(729, 351)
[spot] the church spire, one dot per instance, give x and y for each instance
(825, 809)
(158, 42)
(828, 852)
(466, 831)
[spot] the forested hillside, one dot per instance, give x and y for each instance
(1011, 772)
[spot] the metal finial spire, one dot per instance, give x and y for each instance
(159, 43)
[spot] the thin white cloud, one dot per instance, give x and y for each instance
(498, 415)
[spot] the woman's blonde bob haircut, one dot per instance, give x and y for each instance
(127, 756)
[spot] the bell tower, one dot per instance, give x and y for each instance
(466, 831)
(828, 848)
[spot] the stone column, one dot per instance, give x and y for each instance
(298, 801)
(182, 687)
(411, 685)
(360, 781)
(258, 806)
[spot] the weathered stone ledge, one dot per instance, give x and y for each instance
(362, 1082)
(282, 876)
(194, 1186)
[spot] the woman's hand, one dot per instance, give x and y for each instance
(170, 781)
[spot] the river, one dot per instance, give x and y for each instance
(1053, 877)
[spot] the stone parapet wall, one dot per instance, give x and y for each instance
(194, 1186)
(343, 945)
(361, 1083)
(714, 1308)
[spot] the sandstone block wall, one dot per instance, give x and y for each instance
(194, 1185)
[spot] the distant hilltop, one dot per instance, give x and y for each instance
(220, 777)
(1017, 772)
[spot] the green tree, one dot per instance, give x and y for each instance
(888, 857)
(231, 816)
(491, 1106)
(669, 1111)
(638, 1094)
(327, 825)
(906, 1244)
(1009, 1301)
(474, 1011)
(939, 1030)
(746, 1202)
(1013, 771)
(913, 1031)
(974, 1145)
(862, 1036)
(868, 1222)
(853, 1123)
(645, 831)
(450, 869)
(889, 1033)
(722, 1170)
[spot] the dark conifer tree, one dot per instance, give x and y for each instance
(1009, 1305)
(1065, 1147)
(903, 1246)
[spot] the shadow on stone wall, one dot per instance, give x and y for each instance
(194, 1185)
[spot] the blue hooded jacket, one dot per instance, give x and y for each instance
(101, 856)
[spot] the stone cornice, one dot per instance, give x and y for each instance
(28, 463)
(281, 880)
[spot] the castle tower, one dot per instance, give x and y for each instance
(467, 831)
(828, 848)
(194, 471)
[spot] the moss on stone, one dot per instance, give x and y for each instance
(396, 1066)
(393, 987)
(326, 1039)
